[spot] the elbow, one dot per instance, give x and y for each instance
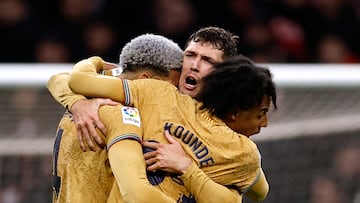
(50, 80)
(138, 198)
(258, 198)
(75, 81)
(139, 193)
(261, 196)
(56, 79)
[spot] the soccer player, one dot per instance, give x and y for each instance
(146, 56)
(204, 47)
(235, 92)
(87, 177)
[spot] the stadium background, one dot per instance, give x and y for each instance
(311, 148)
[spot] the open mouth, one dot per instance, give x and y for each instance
(191, 81)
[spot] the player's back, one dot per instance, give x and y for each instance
(78, 176)
(224, 155)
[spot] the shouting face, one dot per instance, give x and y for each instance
(199, 58)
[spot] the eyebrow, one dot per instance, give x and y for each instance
(207, 58)
(264, 110)
(204, 57)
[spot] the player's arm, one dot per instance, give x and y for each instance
(206, 190)
(260, 189)
(201, 186)
(59, 89)
(85, 80)
(83, 110)
(128, 166)
(172, 158)
(199, 183)
(86, 120)
(126, 156)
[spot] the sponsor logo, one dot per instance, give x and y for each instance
(131, 116)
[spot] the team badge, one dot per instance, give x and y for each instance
(131, 116)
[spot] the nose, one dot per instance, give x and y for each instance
(264, 122)
(195, 64)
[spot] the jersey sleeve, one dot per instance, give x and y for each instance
(85, 80)
(121, 122)
(126, 156)
(259, 190)
(59, 89)
(206, 190)
(250, 176)
(128, 165)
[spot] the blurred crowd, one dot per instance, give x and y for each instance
(274, 31)
(271, 31)
(340, 182)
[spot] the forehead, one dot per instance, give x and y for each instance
(266, 100)
(264, 106)
(205, 49)
(265, 103)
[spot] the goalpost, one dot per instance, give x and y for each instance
(284, 74)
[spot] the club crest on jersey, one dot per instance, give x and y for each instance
(130, 116)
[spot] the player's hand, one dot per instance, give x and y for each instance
(167, 157)
(86, 120)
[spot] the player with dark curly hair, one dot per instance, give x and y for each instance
(214, 131)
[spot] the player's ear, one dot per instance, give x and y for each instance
(145, 75)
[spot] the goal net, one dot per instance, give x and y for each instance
(310, 150)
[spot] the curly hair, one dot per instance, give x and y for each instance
(151, 51)
(236, 84)
(220, 38)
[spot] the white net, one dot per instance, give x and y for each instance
(310, 149)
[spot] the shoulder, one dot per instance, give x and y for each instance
(249, 147)
(147, 82)
(151, 86)
(106, 110)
